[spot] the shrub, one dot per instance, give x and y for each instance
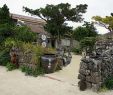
(88, 42)
(49, 50)
(77, 50)
(11, 66)
(109, 83)
(5, 32)
(24, 34)
(4, 57)
(103, 89)
(30, 71)
(9, 43)
(5, 50)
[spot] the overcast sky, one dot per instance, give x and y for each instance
(95, 7)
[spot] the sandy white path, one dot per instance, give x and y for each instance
(60, 83)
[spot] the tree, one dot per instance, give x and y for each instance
(88, 43)
(87, 30)
(5, 15)
(106, 22)
(6, 24)
(56, 16)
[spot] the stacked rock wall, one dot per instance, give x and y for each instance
(90, 73)
(24, 59)
(95, 69)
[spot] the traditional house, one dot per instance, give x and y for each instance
(37, 26)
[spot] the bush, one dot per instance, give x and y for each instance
(30, 71)
(5, 50)
(103, 89)
(109, 83)
(9, 43)
(88, 42)
(5, 31)
(11, 66)
(24, 34)
(4, 57)
(77, 50)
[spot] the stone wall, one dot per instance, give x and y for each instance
(23, 59)
(95, 68)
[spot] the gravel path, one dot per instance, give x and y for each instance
(59, 83)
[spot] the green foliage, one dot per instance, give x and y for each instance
(49, 50)
(88, 42)
(106, 22)
(31, 71)
(77, 50)
(5, 31)
(4, 56)
(17, 33)
(36, 51)
(87, 30)
(90, 29)
(103, 89)
(11, 66)
(6, 24)
(24, 34)
(8, 28)
(5, 15)
(80, 33)
(56, 16)
(9, 43)
(109, 83)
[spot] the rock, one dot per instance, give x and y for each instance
(88, 78)
(88, 72)
(82, 77)
(83, 65)
(89, 85)
(95, 80)
(85, 60)
(82, 85)
(84, 72)
(96, 87)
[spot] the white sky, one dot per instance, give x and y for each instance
(95, 7)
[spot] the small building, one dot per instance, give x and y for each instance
(37, 26)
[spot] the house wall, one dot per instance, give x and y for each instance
(67, 42)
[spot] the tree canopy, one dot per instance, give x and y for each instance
(86, 30)
(56, 16)
(106, 22)
(5, 15)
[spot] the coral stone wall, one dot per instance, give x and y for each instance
(95, 69)
(26, 59)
